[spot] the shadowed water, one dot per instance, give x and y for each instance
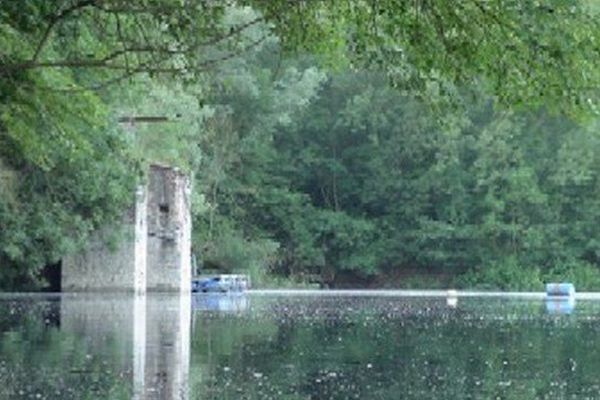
(264, 346)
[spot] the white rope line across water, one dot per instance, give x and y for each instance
(411, 293)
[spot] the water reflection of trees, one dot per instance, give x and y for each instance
(95, 347)
(39, 360)
(297, 349)
(479, 350)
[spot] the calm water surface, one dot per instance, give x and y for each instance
(298, 347)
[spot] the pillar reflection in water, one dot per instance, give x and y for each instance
(151, 333)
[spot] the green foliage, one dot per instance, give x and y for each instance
(362, 178)
(228, 251)
(506, 274)
(523, 51)
(426, 282)
(69, 169)
(469, 159)
(585, 276)
(51, 213)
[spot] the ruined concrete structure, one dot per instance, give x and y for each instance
(169, 222)
(154, 252)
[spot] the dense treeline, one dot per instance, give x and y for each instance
(365, 180)
(331, 139)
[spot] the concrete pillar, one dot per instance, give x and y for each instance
(169, 230)
(141, 240)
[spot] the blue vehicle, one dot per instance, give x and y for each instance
(206, 285)
(220, 283)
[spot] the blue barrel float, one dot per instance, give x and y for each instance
(560, 298)
(560, 289)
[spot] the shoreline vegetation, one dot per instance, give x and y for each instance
(585, 278)
(337, 143)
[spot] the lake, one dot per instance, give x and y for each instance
(268, 346)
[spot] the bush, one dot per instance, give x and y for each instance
(507, 274)
(583, 275)
(231, 252)
(422, 282)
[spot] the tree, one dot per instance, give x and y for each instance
(371, 178)
(527, 53)
(523, 51)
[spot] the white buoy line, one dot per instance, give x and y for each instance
(413, 293)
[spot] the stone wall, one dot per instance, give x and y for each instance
(104, 266)
(154, 251)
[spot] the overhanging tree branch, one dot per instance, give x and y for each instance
(148, 48)
(153, 69)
